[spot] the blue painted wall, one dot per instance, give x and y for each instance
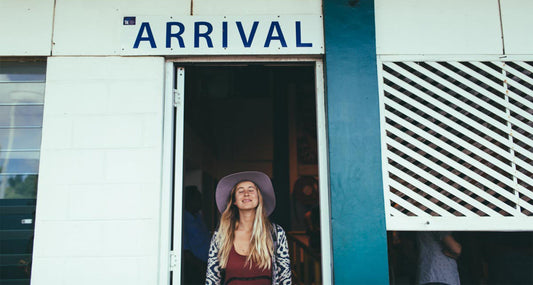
(358, 216)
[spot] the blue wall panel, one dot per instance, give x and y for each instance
(358, 217)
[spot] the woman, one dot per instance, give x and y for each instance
(247, 248)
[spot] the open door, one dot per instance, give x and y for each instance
(250, 116)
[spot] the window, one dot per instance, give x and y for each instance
(22, 87)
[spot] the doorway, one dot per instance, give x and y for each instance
(252, 116)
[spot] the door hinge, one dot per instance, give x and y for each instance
(177, 97)
(173, 261)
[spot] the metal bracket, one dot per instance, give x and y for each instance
(180, 87)
(177, 97)
(173, 261)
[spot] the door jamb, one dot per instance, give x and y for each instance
(168, 155)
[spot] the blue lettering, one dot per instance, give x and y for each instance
(204, 35)
(299, 36)
(224, 34)
(150, 36)
(247, 42)
(177, 35)
(279, 37)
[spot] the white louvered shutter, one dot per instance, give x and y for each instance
(457, 144)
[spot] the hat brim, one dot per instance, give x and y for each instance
(225, 185)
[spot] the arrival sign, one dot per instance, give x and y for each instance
(216, 35)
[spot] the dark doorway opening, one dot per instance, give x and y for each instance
(490, 258)
(256, 117)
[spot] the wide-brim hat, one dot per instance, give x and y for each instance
(262, 181)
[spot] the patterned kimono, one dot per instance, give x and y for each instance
(281, 265)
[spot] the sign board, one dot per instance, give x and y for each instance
(222, 35)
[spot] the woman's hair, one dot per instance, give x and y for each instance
(261, 244)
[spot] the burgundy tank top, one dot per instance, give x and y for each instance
(238, 273)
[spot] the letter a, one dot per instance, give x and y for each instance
(150, 36)
(279, 37)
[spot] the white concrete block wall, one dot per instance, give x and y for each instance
(246, 7)
(26, 27)
(98, 216)
(517, 26)
(85, 27)
(437, 27)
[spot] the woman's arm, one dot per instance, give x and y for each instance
(283, 260)
(213, 275)
(451, 247)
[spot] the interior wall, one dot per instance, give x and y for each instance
(237, 132)
(199, 154)
(98, 209)
(229, 121)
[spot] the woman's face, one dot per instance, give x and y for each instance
(246, 196)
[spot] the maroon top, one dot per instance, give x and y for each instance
(239, 273)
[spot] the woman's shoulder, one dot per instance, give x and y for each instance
(277, 227)
(278, 230)
(215, 238)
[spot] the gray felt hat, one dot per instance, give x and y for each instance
(225, 185)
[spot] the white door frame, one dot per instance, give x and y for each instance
(174, 115)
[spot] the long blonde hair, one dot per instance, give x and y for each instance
(261, 244)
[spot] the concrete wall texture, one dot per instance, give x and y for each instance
(97, 218)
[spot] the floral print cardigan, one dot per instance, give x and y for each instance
(281, 265)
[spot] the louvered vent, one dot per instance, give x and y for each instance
(457, 143)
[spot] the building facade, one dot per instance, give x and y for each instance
(384, 115)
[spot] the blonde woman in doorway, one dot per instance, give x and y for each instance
(247, 248)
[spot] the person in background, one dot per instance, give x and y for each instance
(437, 263)
(304, 199)
(196, 238)
(247, 248)
(312, 221)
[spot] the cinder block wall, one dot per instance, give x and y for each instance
(97, 217)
